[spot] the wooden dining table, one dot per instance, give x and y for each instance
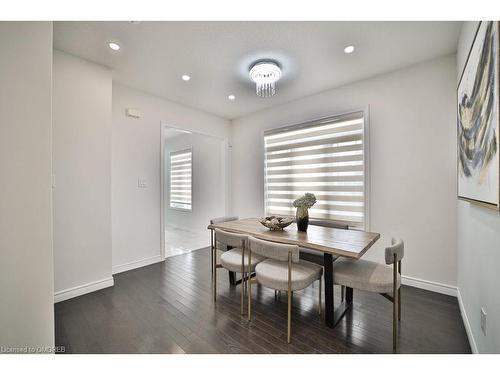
(331, 242)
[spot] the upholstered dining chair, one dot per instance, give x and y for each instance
(376, 277)
(217, 220)
(234, 260)
(282, 270)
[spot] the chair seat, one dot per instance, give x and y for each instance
(231, 260)
(364, 275)
(274, 274)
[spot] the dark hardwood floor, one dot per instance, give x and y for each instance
(167, 308)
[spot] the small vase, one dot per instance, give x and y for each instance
(302, 217)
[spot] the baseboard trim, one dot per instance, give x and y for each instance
(468, 328)
(430, 285)
(83, 289)
(136, 264)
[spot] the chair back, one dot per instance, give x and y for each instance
(223, 219)
(273, 250)
(397, 248)
(329, 224)
(231, 239)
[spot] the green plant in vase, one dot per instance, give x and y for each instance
(303, 205)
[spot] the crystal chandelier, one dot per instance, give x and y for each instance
(265, 74)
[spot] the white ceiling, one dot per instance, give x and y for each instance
(217, 55)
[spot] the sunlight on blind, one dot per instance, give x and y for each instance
(324, 158)
(181, 165)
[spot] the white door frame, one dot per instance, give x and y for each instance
(225, 175)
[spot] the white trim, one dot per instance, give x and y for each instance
(448, 290)
(83, 289)
(468, 328)
(137, 264)
(162, 191)
(433, 286)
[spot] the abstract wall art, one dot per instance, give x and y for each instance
(478, 120)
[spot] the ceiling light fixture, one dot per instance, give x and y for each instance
(185, 77)
(265, 74)
(231, 97)
(114, 46)
(349, 49)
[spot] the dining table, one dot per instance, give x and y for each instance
(332, 243)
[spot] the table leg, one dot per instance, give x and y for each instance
(212, 251)
(232, 278)
(328, 264)
(332, 315)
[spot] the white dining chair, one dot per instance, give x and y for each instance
(234, 260)
(375, 277)
(282, 270)
(217, 220)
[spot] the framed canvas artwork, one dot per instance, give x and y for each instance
(478, 120)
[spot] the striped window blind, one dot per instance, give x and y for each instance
(324, 157)
(181, 167)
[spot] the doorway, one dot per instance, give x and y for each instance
(194, 188)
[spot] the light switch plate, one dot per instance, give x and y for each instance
(142, 183)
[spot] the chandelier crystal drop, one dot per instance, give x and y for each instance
(265, 74)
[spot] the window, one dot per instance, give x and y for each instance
(181, 178)
(324, 157)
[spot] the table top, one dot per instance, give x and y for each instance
(342, 242)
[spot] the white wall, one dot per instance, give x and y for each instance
(82, 168)
(478, 250)
(26, 268)
(136, 154)
(413, 191)
(208, 181)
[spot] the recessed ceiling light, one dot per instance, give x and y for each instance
(185, 77)
(231, 97)
(349, 49)
(114, 46)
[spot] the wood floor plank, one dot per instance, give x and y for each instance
(168, 307)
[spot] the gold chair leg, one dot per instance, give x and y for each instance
(242, 280)
(215, 268)
(394, 325)
(395, 306)
(319, 304)
(212, 251)
(399, 293)
(289, 322)
(289, 295)
(249, 285)
(247, 274)
(399, 304)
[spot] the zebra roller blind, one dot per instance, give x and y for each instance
(324, 157)
(181, 167)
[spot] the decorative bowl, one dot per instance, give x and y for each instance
(276, 222)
